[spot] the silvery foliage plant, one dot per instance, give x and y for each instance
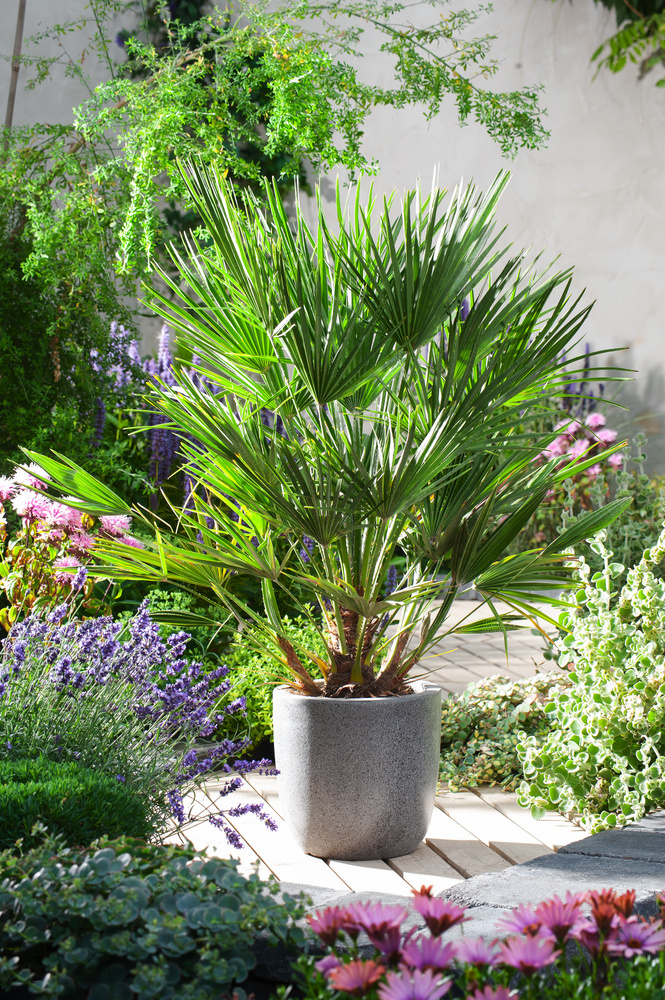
(117, 698)
(603, 755)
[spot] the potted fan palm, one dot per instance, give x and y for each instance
(364, 405)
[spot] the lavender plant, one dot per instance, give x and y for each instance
(120, 700)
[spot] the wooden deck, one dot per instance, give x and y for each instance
(470, 833)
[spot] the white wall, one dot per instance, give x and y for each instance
(595, 195)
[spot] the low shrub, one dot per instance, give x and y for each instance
(555, 950)
(131, 921)
(604, 754)
(254, 675)
(70, 800)
(482, 726)
(116, 698)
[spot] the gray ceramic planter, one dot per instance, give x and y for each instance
(358, 776)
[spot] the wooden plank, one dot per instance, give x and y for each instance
(277, 848)
(205, 837)
(266, 786)
(425, 867)
(460, 849)
(370, 876)
(553, 830)
(491, 827)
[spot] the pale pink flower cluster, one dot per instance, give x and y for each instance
(57, 522)
(408, 967)
(584, 439)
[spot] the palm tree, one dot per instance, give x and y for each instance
(364, 395)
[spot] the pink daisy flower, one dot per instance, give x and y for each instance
(527, 954)
(357, 977)
(637, 938)
(325, 965)
(30, 506)
(381, 923)
(558, 916)
(595, 421)
(428, 953)
(413, 986)
(487, 993)
(115, 524)
(328, 923)
(521, 920)
(438, 914)
(474, 951)
(7, 488)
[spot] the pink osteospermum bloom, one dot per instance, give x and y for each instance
(357, 977)
(327, 923)
(115, 524)
(33, 477)
(521, 920)
(375, 919)
(595, 421)
(428, 953)
(438, 914)
(488, 993)
(637, 938)
(527, 954)
(325, 965)
(558, 916)
(405, 985)
(7, 488)
(67, 562)
(474, 951)
(30, 506)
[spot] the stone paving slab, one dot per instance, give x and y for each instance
(642, 841)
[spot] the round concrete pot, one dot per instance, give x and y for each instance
(358, 775)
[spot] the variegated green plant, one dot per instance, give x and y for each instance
(369, 389)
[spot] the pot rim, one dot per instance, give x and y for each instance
(421, 687)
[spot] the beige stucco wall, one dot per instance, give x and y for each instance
(595, 195)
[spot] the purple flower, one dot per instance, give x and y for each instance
(328, 923)
(635, 937)
(119, 777)
(474, 951)
(521, 920)
(324, 965)
(558, 917)
(417, 985)
(488, 993)
(391, 580)
(464, 309)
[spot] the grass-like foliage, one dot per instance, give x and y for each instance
(604, 754)
(482, 726)
(68, 799)
(131, 921)
(359, 395)
(117, 699)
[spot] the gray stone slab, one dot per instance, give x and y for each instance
(556, 874)
(643, 841)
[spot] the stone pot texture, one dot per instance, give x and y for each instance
(358, 775)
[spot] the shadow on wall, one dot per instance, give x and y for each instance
(644, 400)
